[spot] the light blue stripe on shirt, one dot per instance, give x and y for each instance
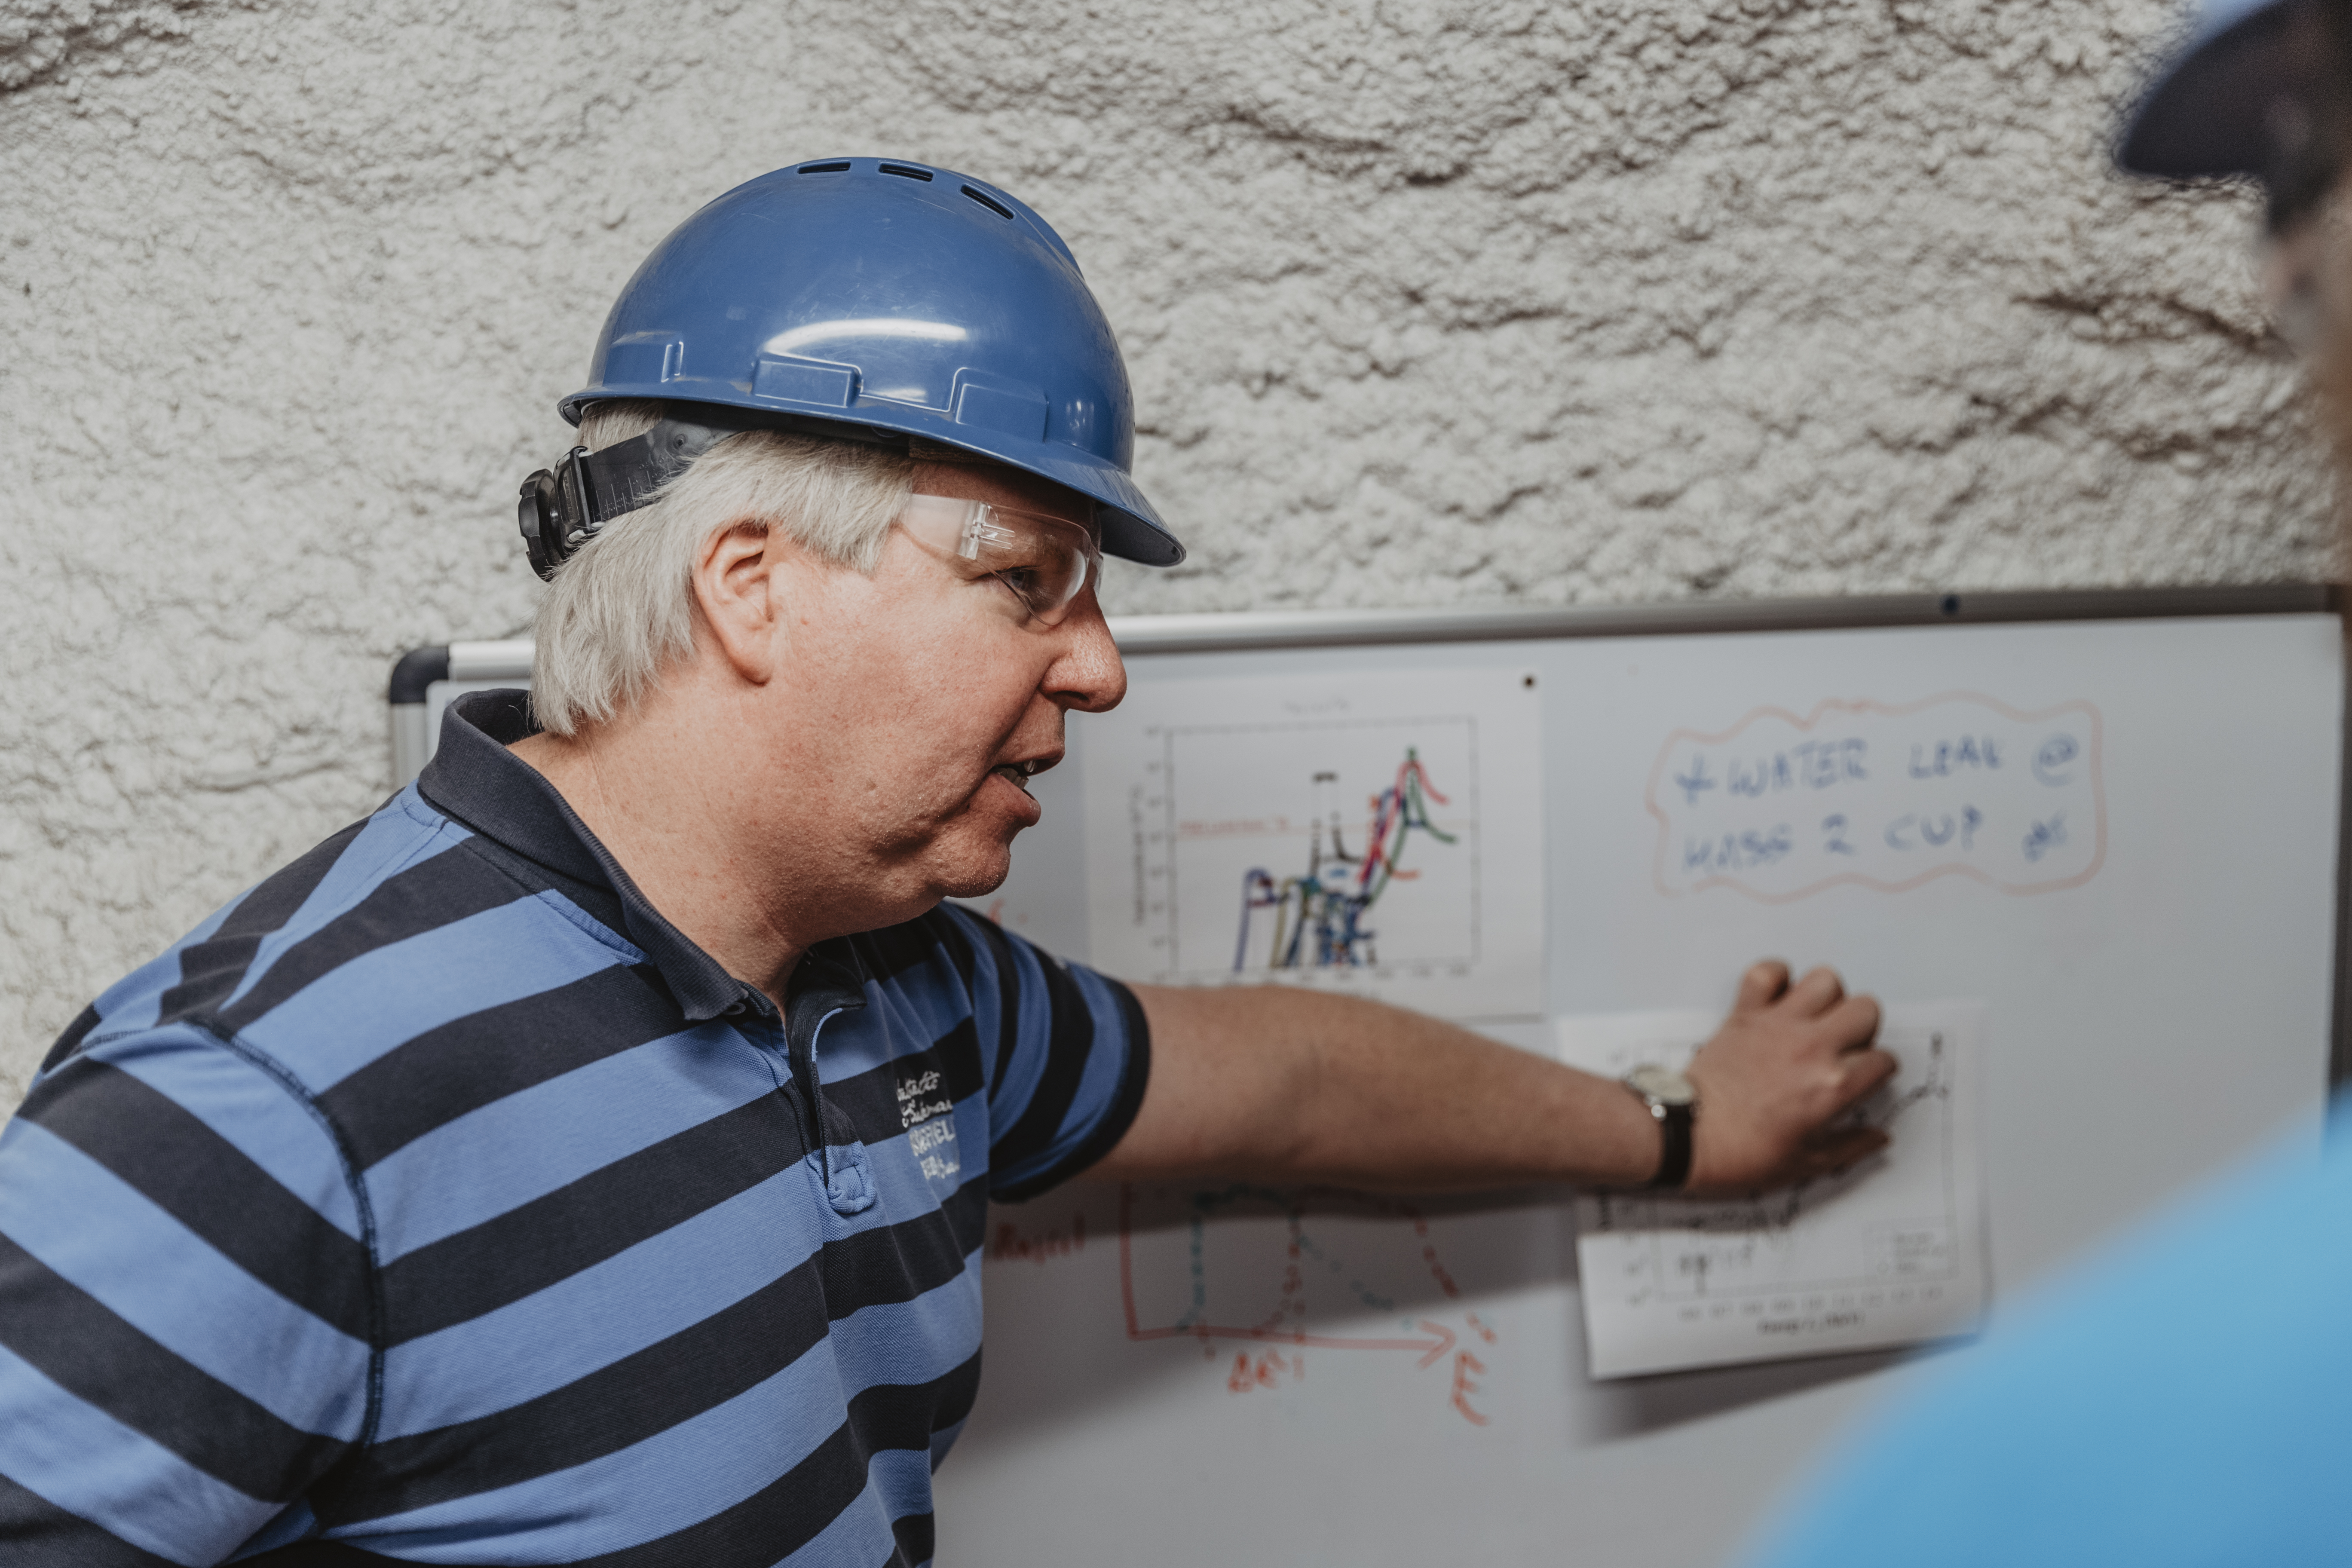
(898, 1203)
(1033, 1019)
(136, 1001)
(89, 1464)
(76, 1216)
(393, 841)
(897, 1483)
(673, 1280)
(917, 1341)
(527, 1144)
(670, 1282)
(354, 1013)
(1098, 1082)
(898, 1168)
(710, 1462)
(251, 1109)
(896, 1020)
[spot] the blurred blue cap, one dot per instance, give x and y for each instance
(2254, 91)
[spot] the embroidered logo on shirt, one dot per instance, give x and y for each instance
(931, 1140)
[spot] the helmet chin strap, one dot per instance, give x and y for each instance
(563, 508)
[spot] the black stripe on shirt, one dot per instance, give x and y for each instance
(1135, 1076)
(955, 1395)
(1008, 988)
(596, 900)
(672, 1381)
(324, 1554)
(916, 1540)
(1069, 1040)
(469, 1062)
(891, 952)
(76, 1032)
(870, 1099)
(211, 969)
(208, 1184)
(37, 1533)
(458, 883)
(772, 1523)
(790, 1511)
(602, 1214)
(81, 1345)
(955, 944)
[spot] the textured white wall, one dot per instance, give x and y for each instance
(1424, 301)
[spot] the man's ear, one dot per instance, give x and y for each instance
(738, 594)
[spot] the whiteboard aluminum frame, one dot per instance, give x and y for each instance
(509, 659)
(1252, 629)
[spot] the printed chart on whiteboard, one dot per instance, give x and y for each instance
(1380, 837)
(1890, 1253)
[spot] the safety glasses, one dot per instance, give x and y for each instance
(1045, 561)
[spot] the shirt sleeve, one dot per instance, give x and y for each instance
(1066, 1052)
(185, 1305)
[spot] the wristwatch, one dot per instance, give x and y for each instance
(1673, 1100)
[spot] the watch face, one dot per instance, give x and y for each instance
(1664, 1085)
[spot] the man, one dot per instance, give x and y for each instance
(2187, 1403)
(583, 1159)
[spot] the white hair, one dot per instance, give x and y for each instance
(622, 610)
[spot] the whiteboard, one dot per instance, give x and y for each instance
(2160, 997)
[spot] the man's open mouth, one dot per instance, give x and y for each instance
(1018, 773)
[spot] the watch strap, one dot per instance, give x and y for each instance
(1674, 1145)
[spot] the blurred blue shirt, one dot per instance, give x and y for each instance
(2187, 1400)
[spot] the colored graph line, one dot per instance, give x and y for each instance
(1274, 1345)
(1287, 1323)
(1329, 902)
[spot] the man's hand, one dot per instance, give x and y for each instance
(1776, 1080)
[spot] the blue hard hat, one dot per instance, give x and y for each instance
(890, 299)
(2256, 89)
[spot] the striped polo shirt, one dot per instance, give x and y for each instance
(437, 1201)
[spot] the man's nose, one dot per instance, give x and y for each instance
(1089, 676)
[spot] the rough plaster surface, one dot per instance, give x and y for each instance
(1424, 302)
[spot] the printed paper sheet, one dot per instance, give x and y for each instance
(1890, 1253)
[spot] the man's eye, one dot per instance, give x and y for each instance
(1023, 581)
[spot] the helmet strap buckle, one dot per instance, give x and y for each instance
(556, 512)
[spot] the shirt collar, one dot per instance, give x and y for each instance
(476, 779)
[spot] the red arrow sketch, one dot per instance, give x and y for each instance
(1427, 1352)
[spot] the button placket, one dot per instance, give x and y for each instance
(848, 1183)
(759, 1026)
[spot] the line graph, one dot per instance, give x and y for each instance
(1331, 897)
(1707, 1248)
(1242, 799)
(1285, 1271)
(1887, 1252)
(1380, 836)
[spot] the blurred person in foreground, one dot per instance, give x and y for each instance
(2187, 1400)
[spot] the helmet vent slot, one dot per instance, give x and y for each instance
(825, 168)
(991, 203)
(904, 172)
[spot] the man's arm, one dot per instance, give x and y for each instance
(1291, 1085)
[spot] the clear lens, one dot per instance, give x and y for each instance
(1044, 562)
